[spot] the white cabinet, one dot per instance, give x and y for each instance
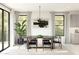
(74, 21)
(75, 38)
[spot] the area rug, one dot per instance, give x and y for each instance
(24, 51)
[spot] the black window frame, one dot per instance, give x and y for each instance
(3, 29)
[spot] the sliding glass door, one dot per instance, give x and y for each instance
(0, 29)
(4, 29)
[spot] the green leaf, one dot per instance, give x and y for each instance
(23, 22)
(23, 27)
(18, 24)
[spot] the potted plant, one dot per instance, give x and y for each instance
(39, 36)
(21, 31)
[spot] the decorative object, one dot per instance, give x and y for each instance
(21, 31)
(40, 22)
(39, 36)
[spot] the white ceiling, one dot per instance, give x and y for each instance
(58, 7)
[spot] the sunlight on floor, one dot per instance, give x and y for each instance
(22, 50)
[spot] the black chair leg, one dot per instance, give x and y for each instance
(53, 46)
(43, 47)
(36, 47)
(60, 45)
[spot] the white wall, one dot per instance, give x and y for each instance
(12, 27)
(41, 31)
(5, 7)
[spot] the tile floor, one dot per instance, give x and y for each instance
(68, 49)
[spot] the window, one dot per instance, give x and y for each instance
(4, 29)
(59, 25)
(0, 30)
(21, 19)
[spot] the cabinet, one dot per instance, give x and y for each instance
(74, 21)
(75, 38)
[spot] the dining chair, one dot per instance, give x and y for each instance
(57, 39)
(47, 43)
(31, 41)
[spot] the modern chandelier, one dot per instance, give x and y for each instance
(40, 22)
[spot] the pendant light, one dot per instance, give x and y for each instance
(39, 13)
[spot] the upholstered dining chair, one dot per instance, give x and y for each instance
(57, 39)
(47, 42)
(31, 41)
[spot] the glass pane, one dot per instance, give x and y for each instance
(59, 22)
(59, 30)
(5, 29)
(59, 17)
(0, 29)
(22, 18)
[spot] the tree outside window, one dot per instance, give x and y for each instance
(59, 25)
(21, 19)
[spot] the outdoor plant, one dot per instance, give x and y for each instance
(21, 31)
(21, 28)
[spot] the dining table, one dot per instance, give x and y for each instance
(39, 42)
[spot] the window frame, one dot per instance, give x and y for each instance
(60, 25)
(3, 29)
